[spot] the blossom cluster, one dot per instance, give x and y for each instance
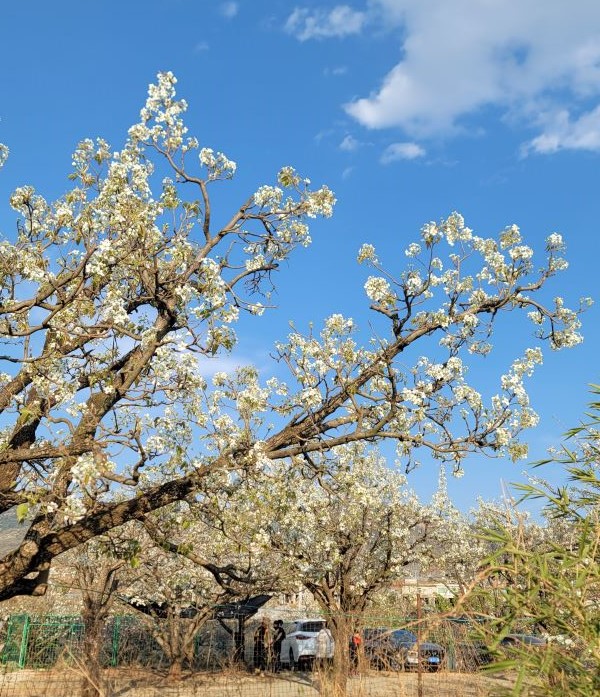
(218, 165)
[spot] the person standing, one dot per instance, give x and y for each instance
(324, 649)
(261, 645)
(355, 642)
(278, 637)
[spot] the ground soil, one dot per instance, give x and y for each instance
(130, 683)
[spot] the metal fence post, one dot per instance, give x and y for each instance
(114, 654)
(24, 642)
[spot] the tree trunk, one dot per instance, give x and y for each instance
(177, 640)
(93, 682)
(341, 630)
(175, 669)
(174, 644)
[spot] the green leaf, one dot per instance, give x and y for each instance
(22, 511)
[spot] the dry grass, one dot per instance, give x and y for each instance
(132, 683)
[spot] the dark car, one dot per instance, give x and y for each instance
(472, 656)
(528, 641)
(399, 649)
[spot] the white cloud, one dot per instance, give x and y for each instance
(349, 143)
(229, 9)
(201, 46)
(341, 21)
(401, 151)
(522, 56)
(562, 133)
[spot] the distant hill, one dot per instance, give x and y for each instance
(11, 531)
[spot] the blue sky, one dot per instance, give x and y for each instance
(408, 109)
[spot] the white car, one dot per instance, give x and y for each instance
(299, 646)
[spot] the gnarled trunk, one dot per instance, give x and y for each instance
(91, 668)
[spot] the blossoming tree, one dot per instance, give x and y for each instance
(345, 526)
(96, 575)
(112, 296)
(174, 597)
(188, 565)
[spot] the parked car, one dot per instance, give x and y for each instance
(298, 649)
(472, 656)
(532, 641)
(396, 649)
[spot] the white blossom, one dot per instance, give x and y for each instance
(367, 253)
(378, 289)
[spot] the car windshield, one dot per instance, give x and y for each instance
(311, 626)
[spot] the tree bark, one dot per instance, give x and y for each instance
(93, 682)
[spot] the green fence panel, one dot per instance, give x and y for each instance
(116, 635)
(13, 642)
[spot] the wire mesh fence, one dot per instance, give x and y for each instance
(47, 656)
